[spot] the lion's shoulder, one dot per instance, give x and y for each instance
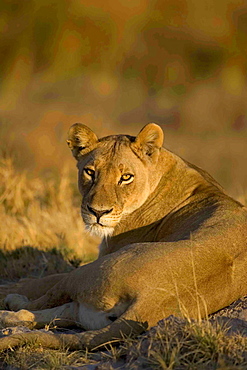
(134, 190)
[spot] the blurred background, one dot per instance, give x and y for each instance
(116, 65)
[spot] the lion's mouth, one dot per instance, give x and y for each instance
(99, 229)
(99, 223)
(103, 226)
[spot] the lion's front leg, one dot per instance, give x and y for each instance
(31, 287)
(64, 316)
(16, 302)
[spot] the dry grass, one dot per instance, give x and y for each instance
(182, 344)
(32, 357)
(41, 232)
(177, 344)
(40, 220)
(174, 63)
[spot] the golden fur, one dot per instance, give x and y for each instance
(173, 243)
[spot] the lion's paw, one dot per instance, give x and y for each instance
(15, 302)
(20, 318)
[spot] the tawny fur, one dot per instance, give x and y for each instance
(173, 243)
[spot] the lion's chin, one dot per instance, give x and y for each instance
(99, 230)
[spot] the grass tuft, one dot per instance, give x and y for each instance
(182, 344)
(42, 214)
(41, 232)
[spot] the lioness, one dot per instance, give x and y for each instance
(173, 243)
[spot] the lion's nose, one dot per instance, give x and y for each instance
(97, 213)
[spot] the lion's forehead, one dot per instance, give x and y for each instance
(113, 148)
(114, 154)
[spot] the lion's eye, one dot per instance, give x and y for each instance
(127, 178)
(89, 172)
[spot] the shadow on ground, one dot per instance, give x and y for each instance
(29, 261)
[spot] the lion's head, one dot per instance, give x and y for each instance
(116, 173)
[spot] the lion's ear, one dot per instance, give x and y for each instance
(149, 140)
(81, 139)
